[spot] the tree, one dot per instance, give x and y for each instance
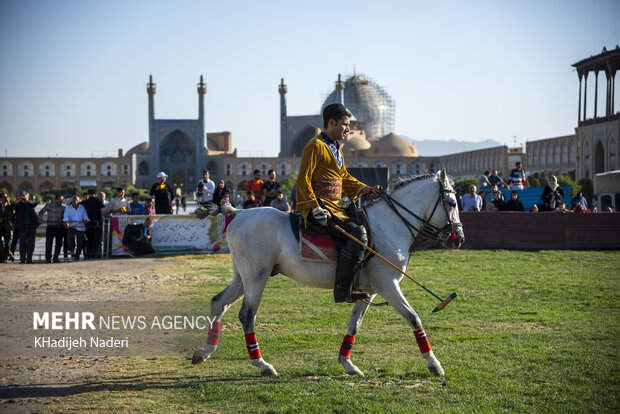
(465, 183)
(288, 183)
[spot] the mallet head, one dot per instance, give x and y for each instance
(445, 302)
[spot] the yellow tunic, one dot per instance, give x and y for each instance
(319, 177)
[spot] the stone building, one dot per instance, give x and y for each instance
(594, 147)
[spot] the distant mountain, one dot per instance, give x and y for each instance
(435, 147)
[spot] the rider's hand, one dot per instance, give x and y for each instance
(321, 215)
(374, 192)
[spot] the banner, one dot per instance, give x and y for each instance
(175, 233)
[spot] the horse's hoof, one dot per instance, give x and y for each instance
(436, 369)
(198, 357)
(354, 371)
(268, 371)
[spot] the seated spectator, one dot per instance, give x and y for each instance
(580, 199)
(135, 207)
(561, 207)
(517, 177)
(149, 207)
(483, 180)
(219, 191)
(280, 202)
(578, 208)
(118, 204)
(495, 179)
(552, 195)
(225, 198)
(491, 195)
(472, 201)
(485, 202)
(137, 237)
(202, 195)
(498, 201)
(514, 204)
(251, 201)
(534, 208)
(256, 185)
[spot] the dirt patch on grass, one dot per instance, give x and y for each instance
(28, 383)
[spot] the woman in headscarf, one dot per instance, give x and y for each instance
(219, 192)
(552, 195)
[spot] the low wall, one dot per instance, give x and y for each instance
(543, 230)
(174, 233)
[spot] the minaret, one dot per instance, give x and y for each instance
(201, 145)
(150, 89)
(340, 90)
(283, 144)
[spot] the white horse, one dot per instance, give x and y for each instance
(258, 253)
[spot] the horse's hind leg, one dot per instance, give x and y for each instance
(247, 315)
(355, 322)
(392, 293)
(219, 305)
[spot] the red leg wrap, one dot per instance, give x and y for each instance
(347, 346)
(252, 345)
(213, 337)
(420, 337)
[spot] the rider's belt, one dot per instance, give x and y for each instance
(329, 189)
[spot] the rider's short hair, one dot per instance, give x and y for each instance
(334, 111)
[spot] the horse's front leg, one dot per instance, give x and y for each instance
(390, 290)
(355, 322)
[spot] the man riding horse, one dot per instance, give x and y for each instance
(322, 179)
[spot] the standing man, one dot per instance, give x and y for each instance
(163, 194)
(55, 230)
(256, 185)
(135, 207)
(119, 204)
(270, 188)
(209, 186)
(6, 213)
(517, 177)
(26, 222)
(322, 178)
(94, 210)
(75, 219)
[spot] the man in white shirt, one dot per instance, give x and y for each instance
(117, 203)
(75, 219)
(209, 186)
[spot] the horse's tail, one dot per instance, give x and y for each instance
(211, 209)
(227, 209)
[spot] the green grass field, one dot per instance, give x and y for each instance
(529, 332)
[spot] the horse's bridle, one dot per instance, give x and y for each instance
(429, 230)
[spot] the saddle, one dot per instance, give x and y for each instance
(317, 245)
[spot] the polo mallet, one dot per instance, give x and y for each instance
(444, 302)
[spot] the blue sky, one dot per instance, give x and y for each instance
(73, 73)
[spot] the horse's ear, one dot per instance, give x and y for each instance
(443, 176)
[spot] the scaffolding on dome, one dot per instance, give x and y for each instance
(369, 103)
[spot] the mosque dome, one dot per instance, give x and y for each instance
(394, 145)
(370, 104)
(355, 143)
(140, 149)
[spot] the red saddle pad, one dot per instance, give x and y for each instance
(317, 248)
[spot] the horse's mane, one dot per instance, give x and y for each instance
(400, 183)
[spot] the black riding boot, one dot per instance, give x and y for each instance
(346, 267)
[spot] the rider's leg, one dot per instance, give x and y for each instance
(390, 290)
(355, 322)
(247, 316)
(349, 258)
(219, 305)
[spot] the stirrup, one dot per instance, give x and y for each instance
(353, 297)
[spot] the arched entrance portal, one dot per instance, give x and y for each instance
(599, 158)
(177, 158)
